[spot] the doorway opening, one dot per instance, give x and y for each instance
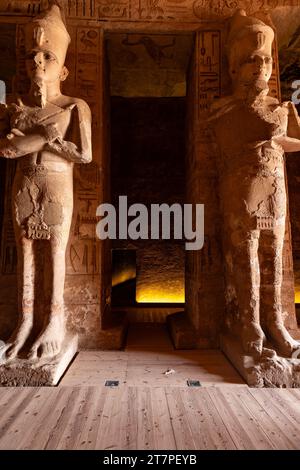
(148, 118)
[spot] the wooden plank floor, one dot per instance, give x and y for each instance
(149, 410)
(149, 418)
(148, 355)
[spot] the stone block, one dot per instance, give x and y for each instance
(269, 372)
(182, 331)
(40, 372)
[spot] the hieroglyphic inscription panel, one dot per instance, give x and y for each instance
(145, 10)
(208, 50)
(83, 250)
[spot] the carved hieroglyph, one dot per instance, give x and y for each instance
(144, 10)
(253, 130)
(47, 133)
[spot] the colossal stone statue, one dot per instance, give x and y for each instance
(253, 130)
(47, 133)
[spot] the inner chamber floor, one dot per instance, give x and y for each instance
(149, 410)
(148, 355)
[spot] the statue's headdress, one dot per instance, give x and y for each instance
(246, 36)
(48, 31)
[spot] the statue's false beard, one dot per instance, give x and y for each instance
(260, 86)
(257, 89)
(39, 93)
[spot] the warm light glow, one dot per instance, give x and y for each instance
(297, 297)
(159, 296)
(123, 276)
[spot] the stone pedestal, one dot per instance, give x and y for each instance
(41, 372)
(182, 332)
(274, 371)
(113, 334)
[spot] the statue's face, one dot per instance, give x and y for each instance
(256, 68)
(43, 65)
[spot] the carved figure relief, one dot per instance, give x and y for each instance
(46, 132)
(154, 10)
(154, 50)
(253, 130)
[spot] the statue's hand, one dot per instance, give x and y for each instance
(58, 123)
(13, 133)
(50, 133)
(37, 123)
(17, 144)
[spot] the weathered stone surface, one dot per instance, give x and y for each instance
(84, 320)
(113, 333)
(144, 10)
(87, 260)
(81, 290)
(46, 132)
(274, 371)
(253, 130)
(183, 334)
(39, 372)
(203, 273)
(87, 291)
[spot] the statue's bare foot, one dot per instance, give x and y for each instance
(253, 338)
(282, 339)
(49, 343)
(19, 336)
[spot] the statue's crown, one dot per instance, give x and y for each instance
(259, 34)
(48, 31)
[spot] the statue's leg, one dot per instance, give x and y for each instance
(247, 283)
(26, 279)
(275, 329)
(50, 341)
